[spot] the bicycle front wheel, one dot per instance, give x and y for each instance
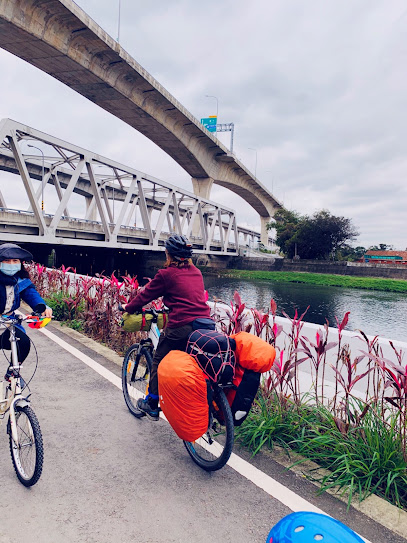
(28, 455)
(213, 449)
(136, 371)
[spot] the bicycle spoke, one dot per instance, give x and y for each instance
(28, 454)
(213, 449)
(135, 376)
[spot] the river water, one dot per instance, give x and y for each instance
(373, 312)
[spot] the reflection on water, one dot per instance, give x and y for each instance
(373, 312)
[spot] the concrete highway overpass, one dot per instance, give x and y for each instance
(59, 38)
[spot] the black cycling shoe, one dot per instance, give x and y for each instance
(152, 412)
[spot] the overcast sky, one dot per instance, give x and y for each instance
(317, 88)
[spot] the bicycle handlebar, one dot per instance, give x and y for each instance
(34, 317)
(151, 311)
(34, 320)
(10, 319)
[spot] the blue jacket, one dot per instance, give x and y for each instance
(23, 290)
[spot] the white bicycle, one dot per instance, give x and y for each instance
(23, 429)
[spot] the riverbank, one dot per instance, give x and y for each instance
(91, 310)
(367, 283)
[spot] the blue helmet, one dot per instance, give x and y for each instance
(305, 527)
(178, 247)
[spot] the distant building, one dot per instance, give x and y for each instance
(386, 257)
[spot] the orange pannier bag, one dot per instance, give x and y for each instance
(183, 391)
(253, 353)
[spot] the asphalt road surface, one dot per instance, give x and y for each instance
(110, 477)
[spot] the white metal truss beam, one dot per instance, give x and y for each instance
(124, 207)
(161, 218)
(203, 225)
(98, 201)
(39, 190)
(193, 214)
(107, 204)
(144, 212)
(62, 204)
(26, 181)
(211, 231)
(59, 191)
(228, 232)
(220, 223)
(2, 200)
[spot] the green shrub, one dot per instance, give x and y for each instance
(59, 307)
(61, 310)
(367, 458)
(76, 324)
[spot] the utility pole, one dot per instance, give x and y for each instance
(212, 127)
(227, 127)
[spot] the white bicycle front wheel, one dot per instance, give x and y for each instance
(28, 454)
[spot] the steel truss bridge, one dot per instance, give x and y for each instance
(98, 202)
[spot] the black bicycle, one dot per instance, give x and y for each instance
(213, 449)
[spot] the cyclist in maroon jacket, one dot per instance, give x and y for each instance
(181, 285)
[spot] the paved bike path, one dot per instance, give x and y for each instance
(108, 476)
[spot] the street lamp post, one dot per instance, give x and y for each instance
(118, 26)
(272, 181)
(255, 166)
(42, 179)
(217, 104)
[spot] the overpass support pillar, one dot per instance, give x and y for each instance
(264, 235)
(202, 186)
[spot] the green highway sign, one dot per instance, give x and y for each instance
(210, 123)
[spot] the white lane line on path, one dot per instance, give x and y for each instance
(272, 487)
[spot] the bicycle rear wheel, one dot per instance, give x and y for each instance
(28, 455)
(136, 371)
(213, 449)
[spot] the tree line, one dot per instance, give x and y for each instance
(322, 236)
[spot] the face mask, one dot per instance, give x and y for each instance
(9, 269)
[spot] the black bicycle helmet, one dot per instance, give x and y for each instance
(307, 527)
(178, 247)
(11, 250)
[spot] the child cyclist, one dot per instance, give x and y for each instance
(15, 286)
(181, 285)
